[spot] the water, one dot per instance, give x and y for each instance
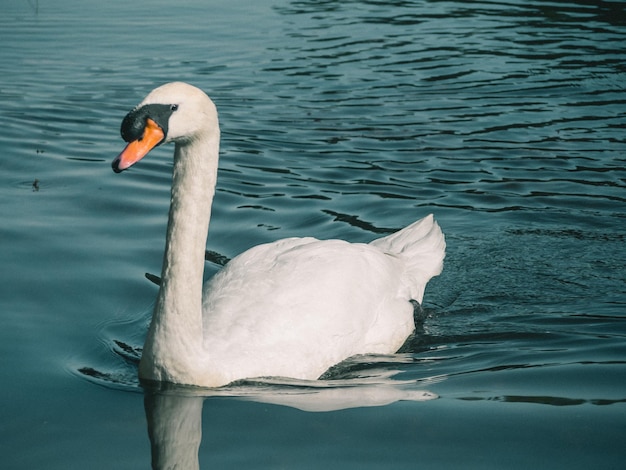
(340, 119)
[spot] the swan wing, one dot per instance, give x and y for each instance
(300, 305)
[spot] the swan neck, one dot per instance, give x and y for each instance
(193, 187)
(175, 334)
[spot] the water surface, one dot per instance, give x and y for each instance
(340, 119)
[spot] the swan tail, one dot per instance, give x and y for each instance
(422, 246)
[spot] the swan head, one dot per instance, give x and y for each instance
(174, 112)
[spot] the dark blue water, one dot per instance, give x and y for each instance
(340, 119)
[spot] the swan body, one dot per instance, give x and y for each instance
(291, 308)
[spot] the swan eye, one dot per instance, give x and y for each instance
(173, 107)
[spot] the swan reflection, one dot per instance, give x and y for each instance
(174, 413)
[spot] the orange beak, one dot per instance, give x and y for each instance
(137, 149)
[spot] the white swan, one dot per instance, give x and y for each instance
(292, 308)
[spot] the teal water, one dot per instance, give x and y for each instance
(340, 119)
